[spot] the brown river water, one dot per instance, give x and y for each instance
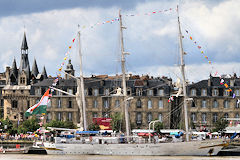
(97, 157)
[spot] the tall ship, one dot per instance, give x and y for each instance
(114, 147)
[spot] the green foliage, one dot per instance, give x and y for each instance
(8, 123)
(158, 126)
(116, 122)
(93, 127)
(61, 124)
(29, 125)
(220, 125)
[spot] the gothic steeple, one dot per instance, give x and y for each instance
(44, 73)
(24, 63)
(35, 68)
(24, 43)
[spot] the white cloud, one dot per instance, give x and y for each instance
(151, 40)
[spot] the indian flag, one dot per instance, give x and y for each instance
(40, 107)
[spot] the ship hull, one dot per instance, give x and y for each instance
(196, 148)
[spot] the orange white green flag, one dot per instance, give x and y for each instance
(40, 107)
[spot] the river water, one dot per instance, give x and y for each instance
(97, 157)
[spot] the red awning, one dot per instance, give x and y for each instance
(144, 134)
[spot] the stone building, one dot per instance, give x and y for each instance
(17, 86)
(212, 101)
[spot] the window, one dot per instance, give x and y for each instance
(204, 92)
(22, 80)
(160, 103)
(70, 104)
(49, 103)
(95, 115)
(139, 92)
(59, 116)
(15, 104)
(193, 104)
(106, 92)
(149, 104)
(22, 91)
(149, 117)
(95, 104)
(37, 91)
(193, 117)
(139, 118)
(226, 104)
(215, 117)
(225, 115)
(69, 116)
(117, 103)
(226, 93)
(49, 117)
(193, 92)
(161, 92)
(237, 103)
(150, 92)
(106, 103)
(215, 92)
(59, 93)
(215, 104)
(59, 103)
(236, 115)
(95, 92)
(139, 103)
(2, 102)
(204, 104)
(237, 92)
(204, 117)
(160, 117)
(70, 91)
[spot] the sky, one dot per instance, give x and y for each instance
(151, 40)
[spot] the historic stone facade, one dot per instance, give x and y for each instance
(212, 101)
(150, 99)
(17, 86)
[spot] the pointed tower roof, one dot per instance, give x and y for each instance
(24, 42)
(14, 64)
(14, 70)
(35, 68)
(44, 73)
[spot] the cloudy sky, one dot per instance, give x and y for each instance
(152, 40)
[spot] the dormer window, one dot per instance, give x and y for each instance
(150, 92)
(215, 92)
(237, 92)
(106, 92)
(204, 92)
(139, 92)
(161, 92)
(226, 93)
(95, 92)
(193, 92)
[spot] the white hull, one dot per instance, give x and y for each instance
(160, 149)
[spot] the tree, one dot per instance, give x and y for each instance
(220, 125)
(158, 126)
(6, 125)
(61, 124)
(116, 122)
(29, 125)
(93, 127)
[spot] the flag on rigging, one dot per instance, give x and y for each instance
(40, 107)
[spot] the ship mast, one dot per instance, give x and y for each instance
(183, 79)
(81, 86)
(124, 77)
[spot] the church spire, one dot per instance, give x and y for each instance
(44, 73)
(35, 68)
(24, 43)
